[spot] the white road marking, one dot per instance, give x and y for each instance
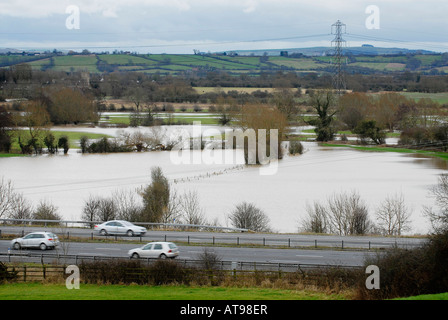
(308, 256)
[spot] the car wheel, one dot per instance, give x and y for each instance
(162, 256)
(103, 232)
(43, 246)
(17, 246)
(130, 233)
(135, 255)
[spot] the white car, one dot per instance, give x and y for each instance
(119, 227)
(160, 250)
(41, 240)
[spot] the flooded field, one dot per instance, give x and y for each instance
(67, 181)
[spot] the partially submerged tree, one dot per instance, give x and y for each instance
(324, 105)
(368, 129)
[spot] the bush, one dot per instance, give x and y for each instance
(124, 271)
(113, 272)
(248, 216)
(6, 275)
(404, 272)
(164, 272)
(295, 147)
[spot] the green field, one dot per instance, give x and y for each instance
(174, 63)
(38, 291)
(441, 98)
(73, 137)
(239, 64)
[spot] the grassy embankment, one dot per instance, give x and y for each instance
(39, 291)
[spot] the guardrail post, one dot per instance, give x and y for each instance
(342, 244)
(315, 244)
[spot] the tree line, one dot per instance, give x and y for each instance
(420, 124)
(159, 202)
(21, 81)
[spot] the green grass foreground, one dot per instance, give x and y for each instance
(39, 291)
(440, 296)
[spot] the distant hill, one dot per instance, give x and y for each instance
(366, 59)
(322, 51)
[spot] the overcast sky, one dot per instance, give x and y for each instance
(179, 26)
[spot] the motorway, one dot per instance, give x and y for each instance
(313, 249)
(271, 239)
(240, 254)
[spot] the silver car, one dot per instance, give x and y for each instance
(41, 240)
(160, 250)
(119, 227)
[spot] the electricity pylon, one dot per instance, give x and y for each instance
(338, 43)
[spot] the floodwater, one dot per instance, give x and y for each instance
(67, 181)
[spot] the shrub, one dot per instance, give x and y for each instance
(410, 272)
(6, 275)
(295, 147)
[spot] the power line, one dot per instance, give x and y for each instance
(189, 44)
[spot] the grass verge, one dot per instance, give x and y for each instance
(39, 291)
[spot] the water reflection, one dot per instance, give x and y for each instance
(67, 181)
(428, 161)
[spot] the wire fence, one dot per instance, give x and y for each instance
(234, 266)
(261, 240)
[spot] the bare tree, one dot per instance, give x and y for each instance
(107, 209)
(173, 211)
(393, 216)
(348, 215)
(192, 213)
(439, 218)
(248, 216)
(21, 209)
(127, 206)
(90, 212)
(316, 220)
(7, 197)
(45, 210)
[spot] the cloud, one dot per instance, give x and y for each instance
(109, 8)
(251, 5)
